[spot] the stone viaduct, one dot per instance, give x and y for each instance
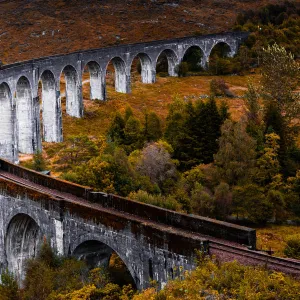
(20, 104)
(153, 243)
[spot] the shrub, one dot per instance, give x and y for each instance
(218, 87)
(292, 248)
(157, 200)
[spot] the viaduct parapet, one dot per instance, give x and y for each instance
(20, 104)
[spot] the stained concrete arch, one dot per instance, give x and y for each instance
(7, 123)
(230, 51)
(172, 61)
(22, 241)
(97, 253)
(51, 108)
(96, 81)
(148, 73)
(122, 80)
(24, 113)
(74, 103)
(197, 47)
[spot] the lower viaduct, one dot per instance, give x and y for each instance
(153, 243)
(20, 106)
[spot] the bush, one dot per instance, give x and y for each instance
(157, 200)
(218, 87)
(292, 248)
(211, 280)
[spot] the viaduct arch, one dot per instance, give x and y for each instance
(19, 84)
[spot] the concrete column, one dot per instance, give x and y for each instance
(122, 81)
(74, 103)
(51, 107)
(36, 125)
(103, 86)
(26, 117)
(205, 62)
(172, 63)
(96, 91)
(7, 124)
(148, 71)
(58, 114)
(172, 68)
(15, 147)
(233, 49)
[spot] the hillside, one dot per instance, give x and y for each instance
(35, 28)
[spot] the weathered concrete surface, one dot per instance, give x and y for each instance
(51, 108)
(21, 81)
(28, 216)
(7, 124)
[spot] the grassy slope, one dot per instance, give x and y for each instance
(154, 97)
(275, 236)
(35, 28)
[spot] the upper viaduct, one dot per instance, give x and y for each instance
(153, 243)
(19, 83)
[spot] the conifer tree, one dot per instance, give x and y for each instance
(212, 125)
(132, 134)
(175, 122)
(268, 163)
(116, 129)
(187, 149)
(224, 111)
(128, 113)
(153, 131)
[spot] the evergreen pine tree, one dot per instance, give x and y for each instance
(132, 134)
(116, 129)
(153, 132)
(128, 113)
(175, 122)
(186, 150)
(274, 122)
(39, 163)
(224, 111)
(212, 125)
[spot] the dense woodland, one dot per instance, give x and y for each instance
(198, 161)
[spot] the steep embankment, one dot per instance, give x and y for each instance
(36, 28)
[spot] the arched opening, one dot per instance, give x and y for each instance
(50, 119)
(97, 254)
(141, 69)
(6, 123)
(23, 240)
(116, 76)
(219, 59)
(72, 92)
(166, 63)
(221, 50)
(24, 107)
(92, 82)
(194, 58)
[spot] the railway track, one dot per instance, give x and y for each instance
(252, 257)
